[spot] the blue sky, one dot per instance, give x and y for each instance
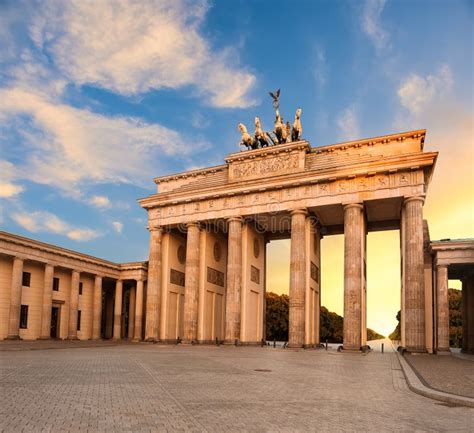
(97, 98)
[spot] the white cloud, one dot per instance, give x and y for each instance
(372, 25)
(8, 190)
(320, 67)
(67, 147)
(41, 221)
(7, 175)
(118, 226)
(100, 201)
(417, 92)
(133, 47)
(348, 125)
(429, 102)
(199, 121)
(82, 235)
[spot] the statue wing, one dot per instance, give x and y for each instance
(278, 93)
(272, 95)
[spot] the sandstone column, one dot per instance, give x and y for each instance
(97, 311)
(353, 268)
(15, 300)
(137, 333)
(414, 276)
(118, 310)
(131, 314)
(73, 306)
(443, 308)
(234, 281)
(296, 325)
(468, 319)
(191, 287)
(47, 302)
(153, 297)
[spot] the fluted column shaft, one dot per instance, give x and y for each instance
(353, 221)
(296, 325)
(153, 296)
(137, 333)
(414, 280)
(443, 308)
(118, 310)
(47, 302)
(191, 286)
(131, 313)
(73, 305)
(15, 300)
(97, 311)
(234, 281)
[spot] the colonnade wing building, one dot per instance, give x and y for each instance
(205, 278)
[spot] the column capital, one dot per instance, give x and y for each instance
(414, 198)
(299, 211)
(235, 218)
(441, 266)
(155, 228)
(356, 205)
(193, 224)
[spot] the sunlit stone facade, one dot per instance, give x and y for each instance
(204, 281)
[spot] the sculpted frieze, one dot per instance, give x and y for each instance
(270, 165)
(280, 199)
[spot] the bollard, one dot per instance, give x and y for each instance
(274, 343)
(326, 344)
(382, 347)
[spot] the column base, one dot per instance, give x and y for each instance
(151, 340)
(348, 349)
(136, 340)
(295, 346)
(235, 342)
(189, 342)
(415, 350)
(13, 337)
(44, 338)
(443, 351)
(71, 338)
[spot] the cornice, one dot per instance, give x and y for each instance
(392, 164)
(454, 244)
(66, 253)
(190, 173)
(382, 139)
(268, 151)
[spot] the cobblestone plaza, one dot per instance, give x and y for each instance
(149, 388)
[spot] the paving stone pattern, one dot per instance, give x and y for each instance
(153, 388)
(445, 373)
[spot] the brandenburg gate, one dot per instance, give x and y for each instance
(209, 229)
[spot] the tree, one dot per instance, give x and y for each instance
(455, 317)
(395, 335)
(331, 326)
(277, 312)
(373, 335)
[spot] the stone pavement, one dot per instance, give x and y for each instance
(446, 373)
(150, 388)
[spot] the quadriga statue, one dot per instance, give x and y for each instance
(297, 128)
